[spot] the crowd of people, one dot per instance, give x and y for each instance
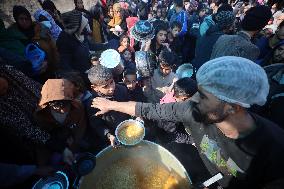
(205, 76)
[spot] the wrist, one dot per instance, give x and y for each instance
(108, 135)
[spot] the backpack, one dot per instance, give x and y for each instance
(36, 56)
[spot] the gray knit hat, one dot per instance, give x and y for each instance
(235, 80)
(72, 21)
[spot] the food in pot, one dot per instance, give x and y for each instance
(130, 133)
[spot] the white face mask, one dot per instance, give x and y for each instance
(47, 24)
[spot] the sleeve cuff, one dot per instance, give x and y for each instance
(138, 109)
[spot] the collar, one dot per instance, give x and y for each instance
(245, 35)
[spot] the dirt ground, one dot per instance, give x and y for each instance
(6, 7)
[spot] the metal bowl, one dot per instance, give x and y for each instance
(144, 166)
(120, 132)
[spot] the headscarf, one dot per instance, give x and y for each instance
(17, 11)
(18, 105)
(55, 29)
(116, 20)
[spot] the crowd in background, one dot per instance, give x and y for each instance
(53, 64)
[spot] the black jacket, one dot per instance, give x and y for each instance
(107, 123)
(252, 161)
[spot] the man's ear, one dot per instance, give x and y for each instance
(234, 108)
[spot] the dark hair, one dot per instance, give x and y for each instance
(219, 2)
(98, 75)
(122, 37)
(18, 10)
(176, 24)
(225, 7)
(129, 71)
(167, 58)
(158, 25)
(75, 79)
(75, 2)
(122, 52)
(178, 3)
(185, 87)
(49, 5)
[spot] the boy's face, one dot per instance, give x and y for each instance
(161, 37)
(106, 89)
(165, 69)
(127, 55)
(130, 81)
(175, 31)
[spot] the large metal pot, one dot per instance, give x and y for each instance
(144, 166)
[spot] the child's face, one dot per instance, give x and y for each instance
(165, 70)
(107, 89)
(175, 31)
(125, 42)
(127, 56)
(110, 12)
(130, 81)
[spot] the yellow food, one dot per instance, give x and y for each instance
(138, 173)
(130, 133)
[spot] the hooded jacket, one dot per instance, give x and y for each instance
(75, 123)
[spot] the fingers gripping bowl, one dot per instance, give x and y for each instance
(130, 132)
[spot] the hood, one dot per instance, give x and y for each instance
(56, 89)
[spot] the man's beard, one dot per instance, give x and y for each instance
(212, 117)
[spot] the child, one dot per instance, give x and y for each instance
(95, 60)
(167, 132)
(128, 61)
(183, 89)
(135, 92)
(176, 43)
(163, 78)
(124, 43)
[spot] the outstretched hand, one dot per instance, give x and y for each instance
(102, 104)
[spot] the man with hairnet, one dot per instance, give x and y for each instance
(247, 149)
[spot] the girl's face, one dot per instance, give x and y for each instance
(125, 42)
(127, 55)
(161, 37)
(110, 12)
